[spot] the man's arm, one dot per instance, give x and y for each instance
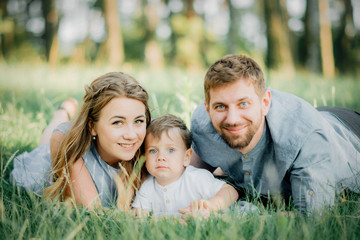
(197, 162)
(312, 175)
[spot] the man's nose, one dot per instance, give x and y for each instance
(232, 116)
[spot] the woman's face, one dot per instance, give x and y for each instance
(120, 130)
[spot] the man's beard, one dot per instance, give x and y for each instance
(239, 141)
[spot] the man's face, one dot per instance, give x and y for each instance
(238, 113)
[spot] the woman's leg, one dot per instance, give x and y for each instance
(349, 117)
(65, 113)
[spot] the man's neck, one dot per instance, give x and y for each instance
(256, 138)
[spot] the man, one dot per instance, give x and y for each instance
(274, 143)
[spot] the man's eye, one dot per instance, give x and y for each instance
(171, 150)
(153, 151)
(244, 104)
(220, 107)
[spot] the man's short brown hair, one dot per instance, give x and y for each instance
(232, 68)
(167, 122)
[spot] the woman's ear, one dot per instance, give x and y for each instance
(92, 128)
(188, 154)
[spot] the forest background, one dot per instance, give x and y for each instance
(49, 49)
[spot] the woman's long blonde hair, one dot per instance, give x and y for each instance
(100, 92)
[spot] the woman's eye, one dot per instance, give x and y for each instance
(153, 151)
(171, 150)
(139, 121)
(118, 123)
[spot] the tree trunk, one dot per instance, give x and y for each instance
(313, 57)
(279, 53)
(115, 47)
(327, 53)
(232, 34)
(51, 23)
(153, 52)
(346, 50)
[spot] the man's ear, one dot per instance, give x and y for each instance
(266, 102)
(188, 154)
(206, 107)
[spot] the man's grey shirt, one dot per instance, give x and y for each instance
(303, 153)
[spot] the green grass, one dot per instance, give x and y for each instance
(30, 94)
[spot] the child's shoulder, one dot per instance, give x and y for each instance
(197, 172)
(149, 181)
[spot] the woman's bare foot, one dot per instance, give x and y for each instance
(64, 113)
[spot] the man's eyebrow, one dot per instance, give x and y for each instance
(239, 100)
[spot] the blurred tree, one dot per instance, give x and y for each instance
(312, 41)
(115, 48)
(6, 30)
(346, 40)
(278, 50)
(326, 44)
(153, 52)
(50, 34)
(188, 30)
(232, 33)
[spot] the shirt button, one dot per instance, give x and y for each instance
(247, 173)
(167, 201)
(164, 189)
(246, 156)
(311, 193)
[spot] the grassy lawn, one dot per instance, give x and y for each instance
(30, 94)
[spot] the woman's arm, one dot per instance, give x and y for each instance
(55, 141)
(83, 189)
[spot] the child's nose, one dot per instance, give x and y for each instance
(161, 157)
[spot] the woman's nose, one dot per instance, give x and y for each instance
(130, 133)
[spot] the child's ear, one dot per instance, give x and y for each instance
(188, 154)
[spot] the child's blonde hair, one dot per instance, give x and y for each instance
(166, 122)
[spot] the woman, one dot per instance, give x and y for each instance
(103, 142)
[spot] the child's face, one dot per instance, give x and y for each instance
(166, 157)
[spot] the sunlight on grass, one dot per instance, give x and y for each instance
(28, 97)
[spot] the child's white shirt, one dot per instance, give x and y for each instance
(194, 184)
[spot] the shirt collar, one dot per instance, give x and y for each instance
(260, 147)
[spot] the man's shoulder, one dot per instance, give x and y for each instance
(291, 120)
(200, 119)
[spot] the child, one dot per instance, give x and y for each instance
(174, 187)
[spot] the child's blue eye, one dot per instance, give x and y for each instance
(153, 151)
(171, 150)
